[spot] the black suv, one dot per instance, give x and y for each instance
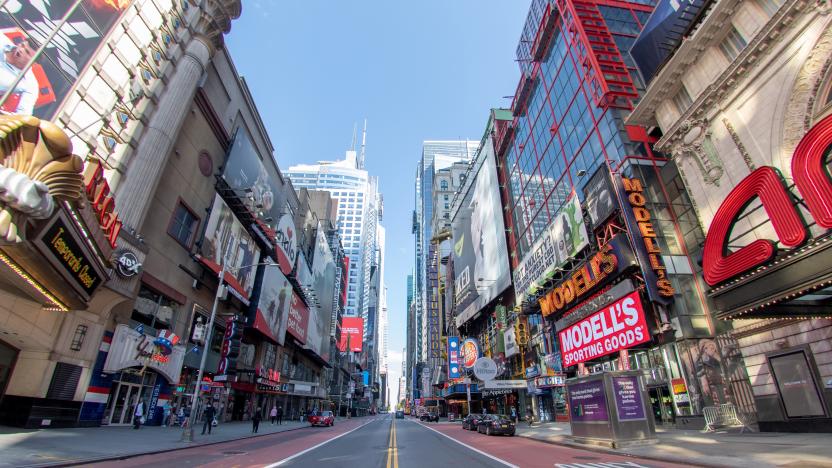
(430, 417)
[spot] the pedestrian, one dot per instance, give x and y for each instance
(279, 415)
(138, 415)
(186, 416)
(255, 420)
(165, 414)
(210, 412)
(514, 415)
(273, 414)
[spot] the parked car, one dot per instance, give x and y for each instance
(399, 414)
(470, 422)
(430, 416)
(494, 424)
(324, 418)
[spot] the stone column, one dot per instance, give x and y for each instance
(137, 188)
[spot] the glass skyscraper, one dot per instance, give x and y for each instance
(357, 195)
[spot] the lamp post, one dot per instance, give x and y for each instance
(188, 432)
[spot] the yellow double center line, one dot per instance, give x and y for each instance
(392, 450)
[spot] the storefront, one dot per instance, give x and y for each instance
(551, 397)
(144, 368)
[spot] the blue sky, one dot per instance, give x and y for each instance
(417, 70)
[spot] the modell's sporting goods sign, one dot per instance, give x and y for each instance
(620, 325)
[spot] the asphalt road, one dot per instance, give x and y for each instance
(384, 442)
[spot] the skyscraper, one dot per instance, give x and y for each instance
(356, 193)
(436, 155)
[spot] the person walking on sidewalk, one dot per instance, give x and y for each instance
(210, 412)
(279, 415)
(255, 420)
(273, 414)
(138, 414)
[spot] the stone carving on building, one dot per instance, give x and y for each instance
(37, 170)
(695, 144)
(799, 111)
(739, 144)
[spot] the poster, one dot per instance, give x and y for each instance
(323, 274)
(600, 199)
(557, 244)
(479, 243)
(275, 297)
(588, 402)
(224, 234)
(25, 26)
(628, 401)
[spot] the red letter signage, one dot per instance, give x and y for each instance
(810, 174)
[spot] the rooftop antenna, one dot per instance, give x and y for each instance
(354, 130)
(363, 144)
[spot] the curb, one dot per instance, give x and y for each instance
(125, 456)
(596, 449)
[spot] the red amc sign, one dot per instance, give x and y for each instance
(620, 325)
(812, 180)
(352, 329)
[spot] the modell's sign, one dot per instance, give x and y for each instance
(619, 326)
(811, 178)
(613, 257)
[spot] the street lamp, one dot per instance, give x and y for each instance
(188, 432)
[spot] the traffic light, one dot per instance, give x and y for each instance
(522, 333)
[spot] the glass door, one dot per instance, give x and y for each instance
(124, 400)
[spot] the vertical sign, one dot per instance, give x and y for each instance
(453, 358)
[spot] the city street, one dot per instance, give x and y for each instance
(384, 442)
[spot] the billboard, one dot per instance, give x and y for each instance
(258, 186)
(323, 274)
(297, 319)
(510, 339)
(352, 327)
(479, 243)
(25, 26)
(620, 325)
(225, 235)
(600, 198)
(564, 237)
(275, 297)
(315, 332)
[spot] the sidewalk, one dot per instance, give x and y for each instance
(728, 449)
(49, 447)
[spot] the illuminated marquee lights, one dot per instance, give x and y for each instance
(25, 276)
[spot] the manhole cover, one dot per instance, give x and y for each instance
(234, 452)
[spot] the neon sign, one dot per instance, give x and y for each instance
(811, 179)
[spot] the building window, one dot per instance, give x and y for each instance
(183, 225)
(154, 310)
(733, 44)
(443, 185)
(682, 100)
(770, 6)
(78, 338)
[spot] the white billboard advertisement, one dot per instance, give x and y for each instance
(561, 241)
(479, 243)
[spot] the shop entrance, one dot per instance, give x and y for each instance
(122, 403)
(662, 402)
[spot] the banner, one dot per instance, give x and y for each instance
(130, 348)
(481, 266)
(560, 242)
(621, 325)
(323, 274)
(454, 371)
(298, 318)
(511, 342)
(599, 196)
(25, 26)
(275, 297)
(225, 235)
(352, 330)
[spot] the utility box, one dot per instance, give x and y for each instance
(611, 409)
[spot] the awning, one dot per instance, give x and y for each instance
(236, 288)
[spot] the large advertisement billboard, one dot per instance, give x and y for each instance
(352, 331)
(224, 235)
(315, 331)
(25, 27)
(323, 273)
(557, 244)
(275, 298)
(257, 184)
(479, 243)
(620, 325)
